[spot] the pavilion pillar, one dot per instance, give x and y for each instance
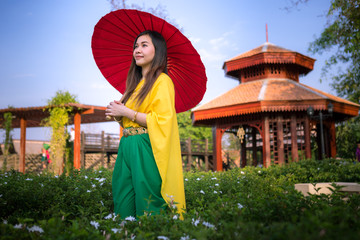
(22, 145)
(280, 140)
(294, 146)
(307, 137)
(266, 143)
(77, 144)
(243, 160)
(254, 149)
(217, 135)
(332, 131)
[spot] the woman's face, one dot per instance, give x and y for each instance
(144, 52)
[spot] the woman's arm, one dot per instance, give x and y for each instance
(118, 109)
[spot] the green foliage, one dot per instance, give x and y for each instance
(347, 136)
(248, 203)
(7, 125)
(186, 129)
(58, 119)
(342, 33)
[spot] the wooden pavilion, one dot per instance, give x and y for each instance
(32, 117)
(268, 109)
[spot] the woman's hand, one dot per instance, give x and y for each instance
(117, 109)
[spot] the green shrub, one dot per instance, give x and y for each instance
(248, 203)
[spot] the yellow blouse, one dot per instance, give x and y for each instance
(159, 105)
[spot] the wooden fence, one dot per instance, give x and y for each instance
(195, 153)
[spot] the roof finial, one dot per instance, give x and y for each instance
(267, 37)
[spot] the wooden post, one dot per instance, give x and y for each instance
(280, 140)
(332, 131)
(254, 149)
(77, 144)
(243, 160)
(294, 145)
(266, 143)
(218, 132)
(206, 155)
(102, 148)
(82, 163)
(189, 154)
(307, 137)
(22, 145)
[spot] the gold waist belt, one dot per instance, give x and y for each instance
(134, 131)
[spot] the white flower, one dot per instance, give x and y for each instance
(93, 185)
(220, 191)
(162, 237)
(42, 185)
(86, 177)
(185, 238)
(216, 184)
(88, 191)
(5, 222)
(102, 203)
(214, 178)
(215, 192)
(36, 229)
(195, 222)
(5, 182)
(209, 225)
(259, 171)
(198, 179)
(242, 172)
(95, 224)
(240, 206)
(0, 195)
(175, 217)
(100, 171)
(18, 226)
(130, 218)
(186, 179)
(201, 191)
(109, 216)
(28, 179)
(56, 176)
(101, 179)
(116, 230)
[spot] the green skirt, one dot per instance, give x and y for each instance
(136, 182)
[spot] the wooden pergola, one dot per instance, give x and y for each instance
(268, 109)
(32, 117)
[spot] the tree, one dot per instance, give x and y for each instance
(347, 136)
(7, 125)
(186, 129)
(58, 119)
(342, 34)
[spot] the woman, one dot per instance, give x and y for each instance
(148, 172)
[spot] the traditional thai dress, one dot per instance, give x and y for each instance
(148, 170)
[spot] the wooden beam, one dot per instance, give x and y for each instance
(294, 145)
(218, 132)
(332, 131)
(254, 148)
(307, 137)
(280, 140)
(77, 143)
(22, 145)
(266, 143)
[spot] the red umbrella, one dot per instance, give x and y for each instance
(112, 46)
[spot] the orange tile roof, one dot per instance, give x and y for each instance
(269, 95)
(268, 53)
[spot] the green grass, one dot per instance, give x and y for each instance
(249, 203)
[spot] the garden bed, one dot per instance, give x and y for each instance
(249, 203)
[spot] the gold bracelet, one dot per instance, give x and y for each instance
(134, 119)
(119, 121)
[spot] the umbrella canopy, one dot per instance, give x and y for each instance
(112, 46)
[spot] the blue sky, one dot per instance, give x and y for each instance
(45, 46)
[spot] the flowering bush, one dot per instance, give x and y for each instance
(247, 203)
